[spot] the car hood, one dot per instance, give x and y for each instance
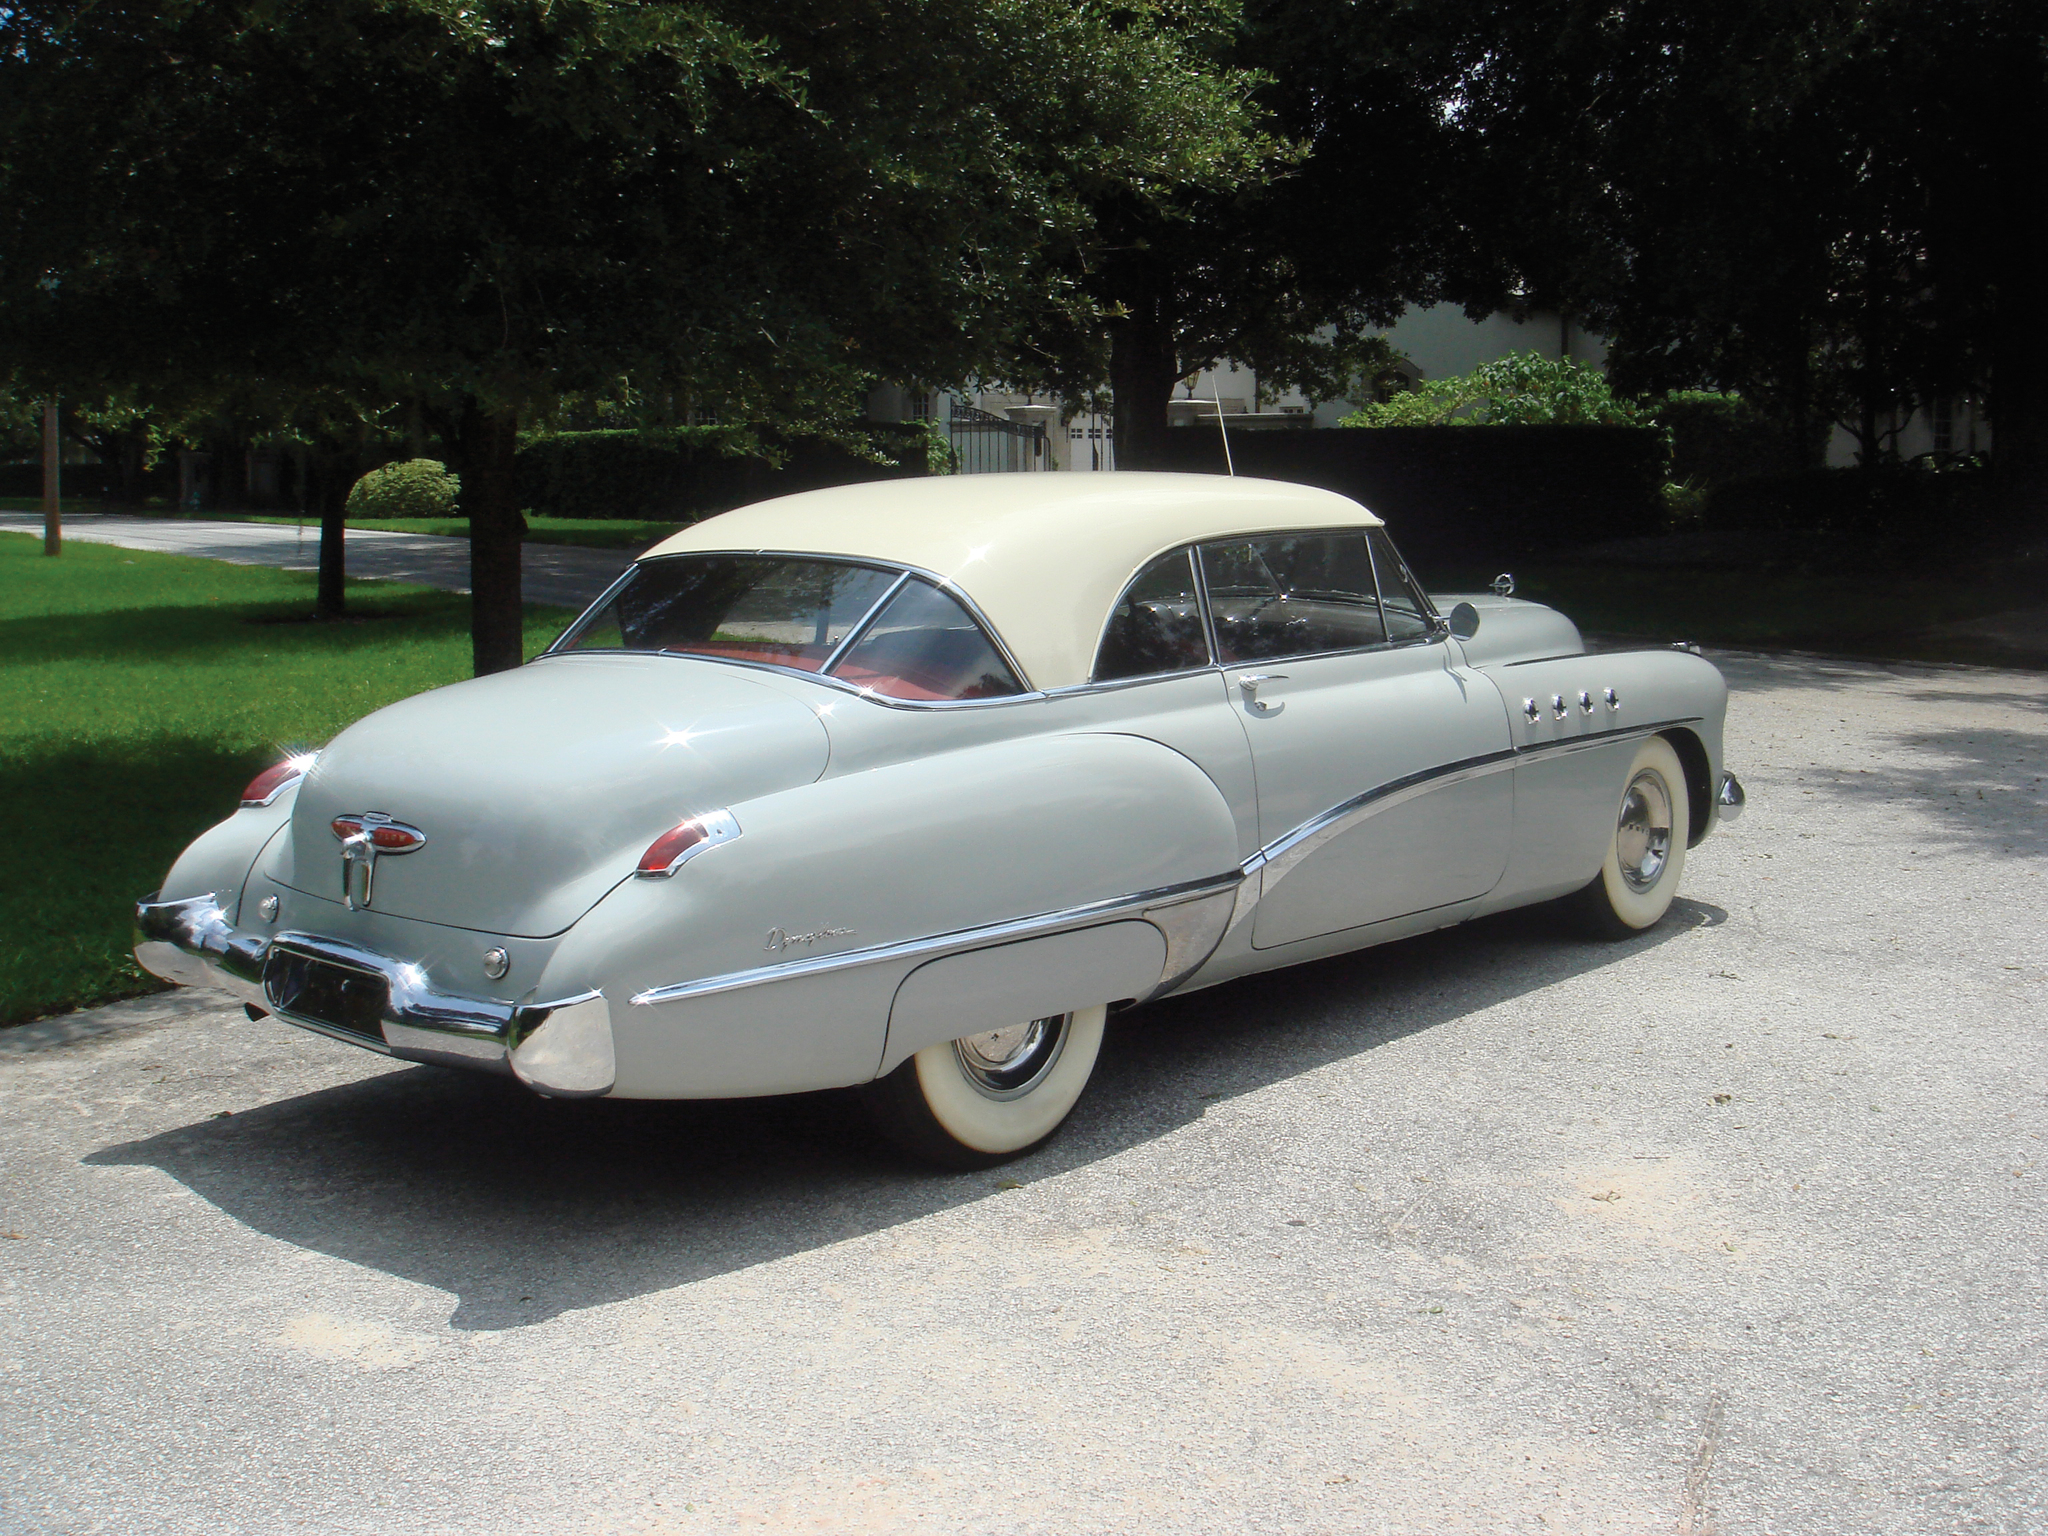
(538, 789)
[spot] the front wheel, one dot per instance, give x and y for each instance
(1646, 853)
(986, 1098)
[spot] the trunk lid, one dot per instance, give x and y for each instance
(538, 789)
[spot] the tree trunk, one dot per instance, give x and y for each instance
(1144, 365)
(487, 441)
(333, 476)
(2019, 394)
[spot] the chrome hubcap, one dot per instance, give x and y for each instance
(1642, 838)
(1009, 1062)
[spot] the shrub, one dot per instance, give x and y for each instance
(1717, 439)
(1523, 389)
(414, 488)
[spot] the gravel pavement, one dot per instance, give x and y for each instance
(1735, 1227)
(564, 575)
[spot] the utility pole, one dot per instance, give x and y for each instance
(53, 447)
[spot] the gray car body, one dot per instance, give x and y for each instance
(901, 875)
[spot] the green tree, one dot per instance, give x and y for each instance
(486, 206)
(1829, 205)
(1522, 389)
(1290, 253)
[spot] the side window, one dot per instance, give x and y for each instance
(1156, 626)
(923, 645)
(1410, 615)
(1291, 595)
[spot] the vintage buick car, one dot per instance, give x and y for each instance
(904, 785)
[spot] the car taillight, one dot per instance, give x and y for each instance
(667, 853)
(669, 850)
(272, 782)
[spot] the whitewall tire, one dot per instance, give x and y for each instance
(1646, 848)
(989, 1097)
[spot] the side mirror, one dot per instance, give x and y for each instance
(1464, 621)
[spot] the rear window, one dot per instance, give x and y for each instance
(768, 608)
(924, 645)
(872, 627)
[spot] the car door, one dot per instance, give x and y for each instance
(1379, 756)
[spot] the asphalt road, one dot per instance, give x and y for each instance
(1735, 1227)
(566, 576)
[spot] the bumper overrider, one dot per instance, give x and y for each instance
(332, 987)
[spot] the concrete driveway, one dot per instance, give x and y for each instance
(565, 576)
(1735, 1227)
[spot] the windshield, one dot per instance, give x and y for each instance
(921, 644)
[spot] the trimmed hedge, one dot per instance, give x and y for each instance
(1464, 495)
(1718, 439)
(1862, 519)
(692, 472)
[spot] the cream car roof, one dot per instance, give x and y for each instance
(1043, 555)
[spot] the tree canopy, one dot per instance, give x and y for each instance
(488, 205)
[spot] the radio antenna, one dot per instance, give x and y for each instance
(1229, 468)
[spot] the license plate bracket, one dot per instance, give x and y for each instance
(320, 991)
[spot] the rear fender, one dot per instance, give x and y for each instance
(880, 861)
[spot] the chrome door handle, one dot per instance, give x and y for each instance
(1249, 682)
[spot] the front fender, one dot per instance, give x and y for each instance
(876, 861)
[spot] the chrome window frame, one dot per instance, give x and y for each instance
(1201, 603)
(1440, 628)
(903, 574)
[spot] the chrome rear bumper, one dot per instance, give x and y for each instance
(562, 1048)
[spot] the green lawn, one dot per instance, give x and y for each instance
(138, 694)
(587, 532)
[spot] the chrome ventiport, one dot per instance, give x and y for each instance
(1533, 710)
(1613, 699)
(1558, 707)
(267, 909)
(1729, 798)
(496, 964)
(1585, 701)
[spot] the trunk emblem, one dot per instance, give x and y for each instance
(364, 835)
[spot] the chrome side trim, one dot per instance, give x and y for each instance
(1589, 739)
(1281, 857)
(1194, 926)
(1140, 904)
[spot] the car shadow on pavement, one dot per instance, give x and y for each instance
(524, 1208)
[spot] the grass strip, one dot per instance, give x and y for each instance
(138, 693)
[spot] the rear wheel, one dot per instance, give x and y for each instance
(986, 1098)
(1646, 853)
